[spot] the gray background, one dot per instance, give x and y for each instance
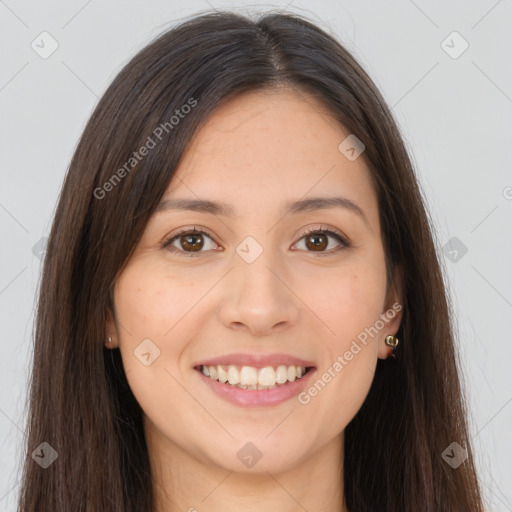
(455, 114)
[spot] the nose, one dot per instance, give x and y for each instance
(257, 297)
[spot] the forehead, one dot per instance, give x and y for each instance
(269, 146)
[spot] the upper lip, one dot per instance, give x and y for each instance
(256, 360)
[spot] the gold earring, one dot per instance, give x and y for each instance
(392, 342)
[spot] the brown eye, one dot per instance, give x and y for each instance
(191, 242)
(317, 242)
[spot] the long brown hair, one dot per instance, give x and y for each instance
(80, 402)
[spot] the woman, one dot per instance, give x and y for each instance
(242, 304)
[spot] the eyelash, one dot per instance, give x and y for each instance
(322, 231)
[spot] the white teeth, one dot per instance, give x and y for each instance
(249, 377)
(222, 375)
(267, 376)
(233, 375)
(281, 374)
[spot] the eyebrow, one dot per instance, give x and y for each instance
(300, 206)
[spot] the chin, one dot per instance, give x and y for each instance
(255, 455)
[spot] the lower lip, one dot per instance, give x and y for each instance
(257, 397)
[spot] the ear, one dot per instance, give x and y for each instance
(112, 331)
(392, 313)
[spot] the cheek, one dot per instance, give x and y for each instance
(151, 309)
(150, 302)
(336, 395)
(349, 305)
(339, 388)
(148, 309)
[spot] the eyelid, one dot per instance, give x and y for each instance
(329, 230)
(198, 230)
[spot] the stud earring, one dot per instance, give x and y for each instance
(392, 342)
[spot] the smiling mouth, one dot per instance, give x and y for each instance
(254, 378)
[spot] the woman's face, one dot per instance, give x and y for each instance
(258, 289)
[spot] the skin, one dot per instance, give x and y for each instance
(256, 152)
